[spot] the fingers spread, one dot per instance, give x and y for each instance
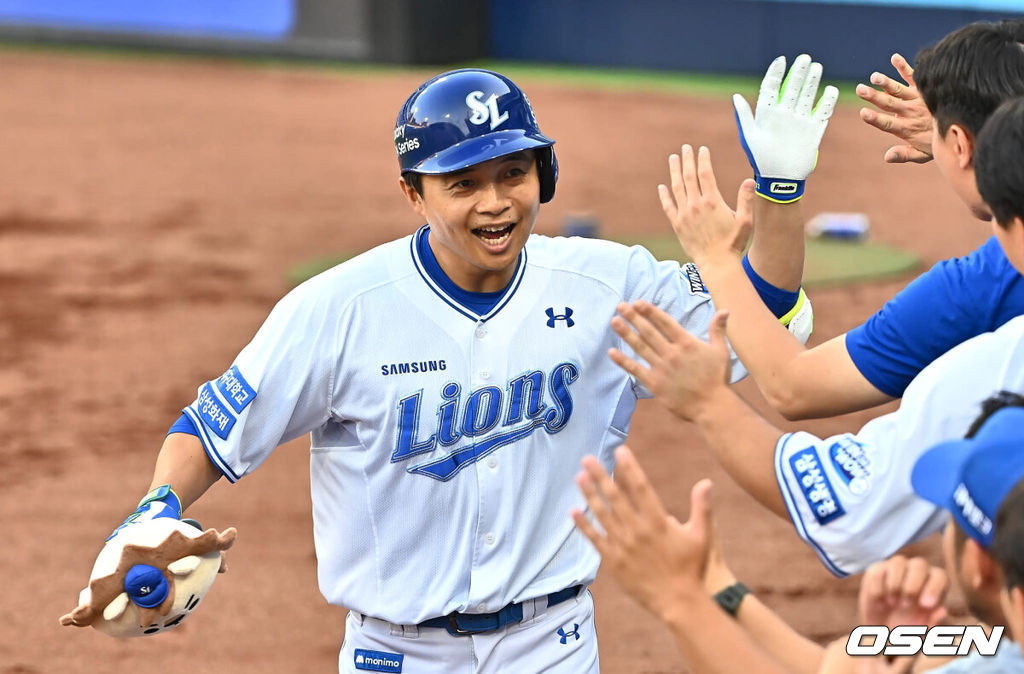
(903, 68)
(668, 204)
(666, 325)
(638, 371)
(634, 482)
(827, 104)
(647, 340)
(689, 173)
(771, 84)
(706, 172)
(794, 82)
(809, 92)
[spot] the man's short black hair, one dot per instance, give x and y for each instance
(999, 162)
(971, 72)
(414, 180)
(1007, 547)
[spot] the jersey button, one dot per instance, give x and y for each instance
(492, 462)
(485, 374)
(482, 608)
(489, 539)
(481, 332)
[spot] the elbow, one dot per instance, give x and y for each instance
(788, 402)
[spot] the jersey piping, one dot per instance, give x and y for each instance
(468, 312)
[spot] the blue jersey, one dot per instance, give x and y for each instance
(952, 302)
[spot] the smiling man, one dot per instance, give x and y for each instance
(451, 382)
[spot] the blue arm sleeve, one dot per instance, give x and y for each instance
(183, 425)
(778, 301)
(952, 302)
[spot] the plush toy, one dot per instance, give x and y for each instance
(150, 576)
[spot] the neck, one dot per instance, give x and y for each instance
(467, 276)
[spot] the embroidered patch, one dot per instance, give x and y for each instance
(235, 389)
(213, 413)
(692, 275)
(852, 464)
(818, 491)
(378, 661)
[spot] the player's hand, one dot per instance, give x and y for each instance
(900, 111)
(901, 591)
(683, 372)
(782, 139)
(704, 224)
(654, 556)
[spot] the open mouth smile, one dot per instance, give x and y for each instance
(494, 235)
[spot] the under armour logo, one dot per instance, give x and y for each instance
(563, 636)
(567, 317)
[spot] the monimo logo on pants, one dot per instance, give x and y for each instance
(379, 661)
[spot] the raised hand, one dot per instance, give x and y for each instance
(683, 372)
(901, 111)
(703, 222)
(782, 139)
(654, 556)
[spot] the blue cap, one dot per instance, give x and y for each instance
(464, 117)
(146, 585)
(970, 478)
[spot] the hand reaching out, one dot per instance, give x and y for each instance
(655, 557)
(683, 372)
(704, 224)
(900, 111)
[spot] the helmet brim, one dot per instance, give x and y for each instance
(480, 149)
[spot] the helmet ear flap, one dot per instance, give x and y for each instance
(547, 171)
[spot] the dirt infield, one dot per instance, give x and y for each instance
(148, 213)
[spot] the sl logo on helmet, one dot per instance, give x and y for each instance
(483, 111)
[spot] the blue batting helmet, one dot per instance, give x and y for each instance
(465, 117)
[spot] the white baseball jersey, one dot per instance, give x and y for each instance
(445, 443)
(850, 495)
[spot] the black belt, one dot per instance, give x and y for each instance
(462, 624)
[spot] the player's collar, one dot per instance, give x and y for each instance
(466, 303)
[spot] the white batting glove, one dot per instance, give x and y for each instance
(782, 141)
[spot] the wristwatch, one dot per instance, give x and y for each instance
(729, 598)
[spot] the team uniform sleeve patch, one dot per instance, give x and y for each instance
(214, 413)
(849, 496)
(806, 467)
(235, 389)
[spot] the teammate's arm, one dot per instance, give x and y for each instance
(798, 382)
(666, 566)
(742, 440)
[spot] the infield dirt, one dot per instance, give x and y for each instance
(149, 210)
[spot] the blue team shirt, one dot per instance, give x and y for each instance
(952, 302)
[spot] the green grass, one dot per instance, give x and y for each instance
(829, 262)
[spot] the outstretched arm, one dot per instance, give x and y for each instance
(798, 382)
(690, 377)
(667, 565)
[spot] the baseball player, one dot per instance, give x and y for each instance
(962, 80)
(849, 495)
(451, 382)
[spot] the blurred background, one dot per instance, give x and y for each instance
(723, 36)
(167, 165)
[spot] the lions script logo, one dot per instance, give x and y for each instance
(521, 408)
